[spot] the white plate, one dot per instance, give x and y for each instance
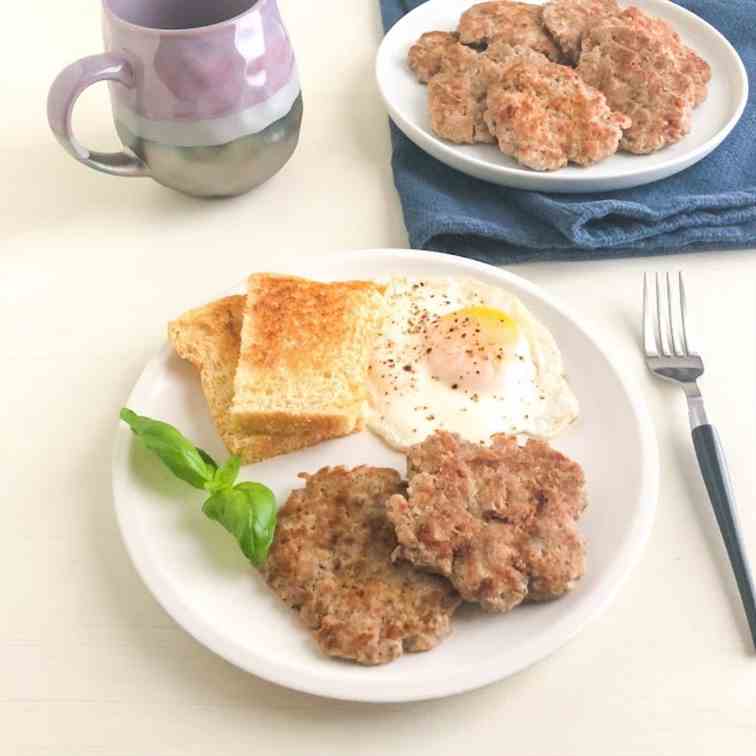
(407, 105)
(196, 571)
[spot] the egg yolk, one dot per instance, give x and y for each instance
(468, 348)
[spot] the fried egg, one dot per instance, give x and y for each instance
(459, 355)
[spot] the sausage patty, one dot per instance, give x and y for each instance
(439, 51)
(567, 21)
(498, 521)
(331, 561)
(545, 116)
(510, 22)
(647, 73)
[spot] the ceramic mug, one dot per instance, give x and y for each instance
(205, 93)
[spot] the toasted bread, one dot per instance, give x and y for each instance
(209, 337)
(304, 355)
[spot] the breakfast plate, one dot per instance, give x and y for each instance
(406, 101)
(204, 582)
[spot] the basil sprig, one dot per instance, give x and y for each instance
(246, 510)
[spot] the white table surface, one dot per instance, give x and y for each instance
(91, 268)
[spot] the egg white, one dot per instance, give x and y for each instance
(407, 402)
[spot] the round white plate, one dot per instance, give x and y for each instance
(406, 101)
(196, 571)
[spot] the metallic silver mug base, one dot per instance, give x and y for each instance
(223, 170)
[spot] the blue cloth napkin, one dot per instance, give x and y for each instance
(711, 205)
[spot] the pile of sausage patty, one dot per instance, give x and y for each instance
(376, 566)
(571, 81)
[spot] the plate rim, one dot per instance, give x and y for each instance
(518, 177)
(204, 632)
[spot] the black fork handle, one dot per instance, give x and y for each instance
(713, 466)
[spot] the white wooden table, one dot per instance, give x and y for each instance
(91, 268)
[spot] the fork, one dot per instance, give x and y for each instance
(670, 355)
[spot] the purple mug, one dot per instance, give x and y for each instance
(205, 93)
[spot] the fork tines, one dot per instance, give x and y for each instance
(665, 317)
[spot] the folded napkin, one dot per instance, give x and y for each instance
(712, 204)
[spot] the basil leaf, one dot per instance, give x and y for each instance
(265, 517)
(176, 452)
(232, 509)
(224, 476)
(208, 459)
(248, 512)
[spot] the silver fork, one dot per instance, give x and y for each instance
(671, 356)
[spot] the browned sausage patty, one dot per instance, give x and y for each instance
(331, 561)
(567, 21)
(644, 70)
(498, 521)
(689, 62)
(457, 96)
(436, 51)
(510, 22)
(545, 116)
(457, 103)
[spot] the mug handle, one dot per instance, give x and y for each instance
(64, 92)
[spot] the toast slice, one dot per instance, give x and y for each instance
(304, 355)
(210, 337)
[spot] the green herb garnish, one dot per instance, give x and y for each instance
(246, 510)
